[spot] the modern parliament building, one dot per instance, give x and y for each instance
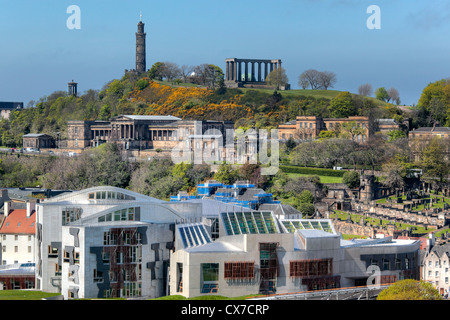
(109, 242)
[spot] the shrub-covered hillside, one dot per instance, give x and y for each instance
(140, 95)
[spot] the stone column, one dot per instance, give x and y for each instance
(228, 70)
(232, 74)
(246, 71)
(239, 72)
(259, 71)
(235, 71)
(253, 71)
(265, 70)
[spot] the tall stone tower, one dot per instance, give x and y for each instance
(140, 48)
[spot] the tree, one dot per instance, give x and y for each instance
(170, 71)
(342, 106)
(277, 78)
(156, 71)
(327, 79)
(209, 75)
(226, 174)
(435, 164)
(410, 290)
(306, 196)
(396, 134)
(365, 90)
(317, 79)
(307, 209)
(310, 76)
(185, 72)
(395, 174)
(393, 95)
(382, 94)
(351, 179)
(252, 173)
(434, 103)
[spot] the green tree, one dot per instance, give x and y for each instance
(435, 165)
(410, 290)
(327, 134)
(307, 209)
(342, 106)
(435, 100)
(156, 71)
(396, 134)
(351, 179)
(226, 174)
(306, 196)
(382, 94)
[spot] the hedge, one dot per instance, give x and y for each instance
(313, 171)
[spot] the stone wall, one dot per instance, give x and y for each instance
(353, 228)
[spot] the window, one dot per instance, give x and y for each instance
(4, 248)
(52, 251)
(239, 270)
(306, 268)
(398, 264)
(16, 237)
(106, 257)
(386, 264)
(70, 215)
(179, 277)
(210, 277)
(16, 249)
(98, 276)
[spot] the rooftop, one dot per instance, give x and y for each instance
(17, 222)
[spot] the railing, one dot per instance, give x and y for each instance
(348, 293)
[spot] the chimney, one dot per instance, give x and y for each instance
(431, 240)
(6, 207)
(31, 205)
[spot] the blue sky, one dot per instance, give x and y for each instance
(39, 54)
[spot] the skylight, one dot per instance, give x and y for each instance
(255, 222)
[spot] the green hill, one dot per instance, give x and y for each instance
(247, 107)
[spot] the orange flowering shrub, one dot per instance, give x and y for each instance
(194, 103)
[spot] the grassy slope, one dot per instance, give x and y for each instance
(327, 94)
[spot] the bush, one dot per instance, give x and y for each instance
(410, 290)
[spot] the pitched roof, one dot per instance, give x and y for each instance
(17, 222)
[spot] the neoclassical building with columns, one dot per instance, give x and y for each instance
(250, 72)
(141, 132)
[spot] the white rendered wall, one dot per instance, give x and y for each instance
(24, 246)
